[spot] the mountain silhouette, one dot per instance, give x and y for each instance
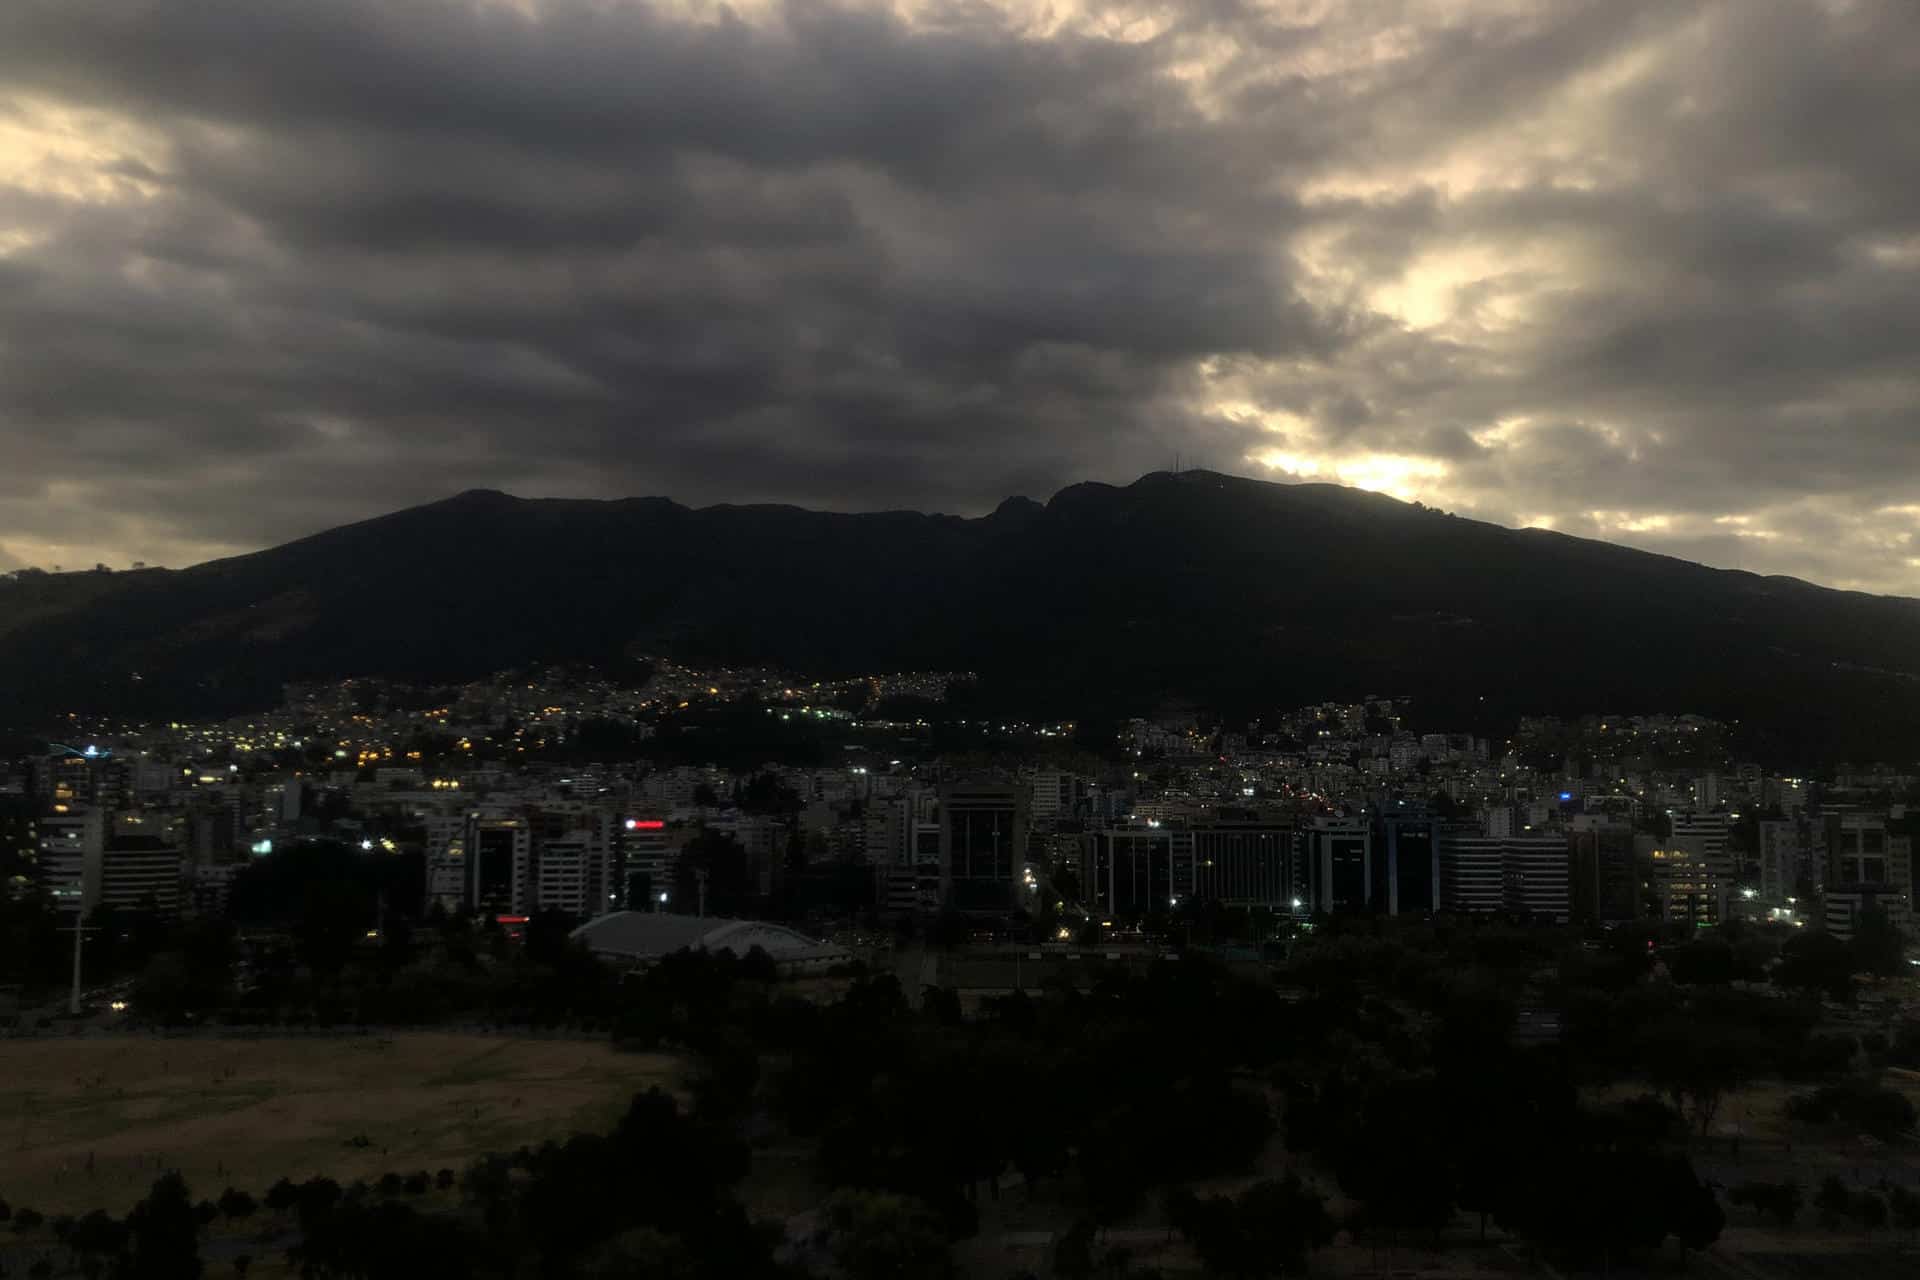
(1237, 595)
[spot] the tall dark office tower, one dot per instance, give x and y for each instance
(1340, 865)
(499, 854)
(1128, 872)
(983, 845)
(1606, 881)
(1406, 865)
(1243, 863)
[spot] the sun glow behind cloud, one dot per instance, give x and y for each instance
(1626, 271)
(1399, 475)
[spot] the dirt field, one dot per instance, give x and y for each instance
(90, 1123)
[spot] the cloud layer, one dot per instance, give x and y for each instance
(1641, 269)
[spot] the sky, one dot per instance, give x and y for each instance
(1645, 270)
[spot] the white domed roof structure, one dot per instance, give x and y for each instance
(641, 937)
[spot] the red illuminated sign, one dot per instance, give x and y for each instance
(645, 824)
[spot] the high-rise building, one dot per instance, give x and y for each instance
(447, 857)
(569, 874)
(1054, 793)
(1237, 861)
(1686, 887)
(67, 862)
(572, 858)
(1537, 875)
(1704, 837)
(1526, 874)
(1606, 873)
(1339, 860)
(499, 863)
(1698, 867)
(1473, 872)
(889, 832)
(141, 873)
(1862, 849)
(1406, 864)
(1128, 872)
(1869, 868)
(19, 843)
(646, 855)
(293, 794)
(1784, 855)
(1244, 862)
(983, 845)
(1843, 908)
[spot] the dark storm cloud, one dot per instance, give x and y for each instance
(1642, 270)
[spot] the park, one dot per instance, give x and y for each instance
(89, 1123)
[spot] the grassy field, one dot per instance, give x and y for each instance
(89, 1124)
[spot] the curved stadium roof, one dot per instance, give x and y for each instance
(646, 935)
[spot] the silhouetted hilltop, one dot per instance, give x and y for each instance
(1237, 594)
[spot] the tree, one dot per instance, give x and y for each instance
(765, 793)
(1878, 945)
(1779, 1201)
(316, 1198)
(758, 966)
(97, 1237)
(1699, 1061)
(1708, 961)
(1111, 1168)
(1871, 1210)
(1697, 1217)
(1861, 1107)
(1904, 1206)
(879, 1235)
(1816, 962)
(645, 1253)
(283, 1195)
(236, 1204)
(1073, 1251)
(1397, 1161)
(163, 990)
(1267, 1230)
(163, 1234)
(1832, 1202)
(723, 862)
(942, 1004)
(1283, 1221)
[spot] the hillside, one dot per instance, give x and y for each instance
(1237, 594)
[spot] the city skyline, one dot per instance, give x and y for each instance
(1635, 271)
